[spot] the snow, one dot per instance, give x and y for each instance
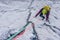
(14, 14)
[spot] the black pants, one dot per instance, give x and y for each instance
(41, 15)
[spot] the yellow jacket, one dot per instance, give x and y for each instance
(44, 11)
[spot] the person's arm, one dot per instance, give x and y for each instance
(47, 16)
(38, 12)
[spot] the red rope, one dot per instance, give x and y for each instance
(22, 32)
(18, 35)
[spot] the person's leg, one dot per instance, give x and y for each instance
(41, 15)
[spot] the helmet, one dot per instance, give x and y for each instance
(47, 7)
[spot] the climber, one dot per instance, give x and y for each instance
(44, 13)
